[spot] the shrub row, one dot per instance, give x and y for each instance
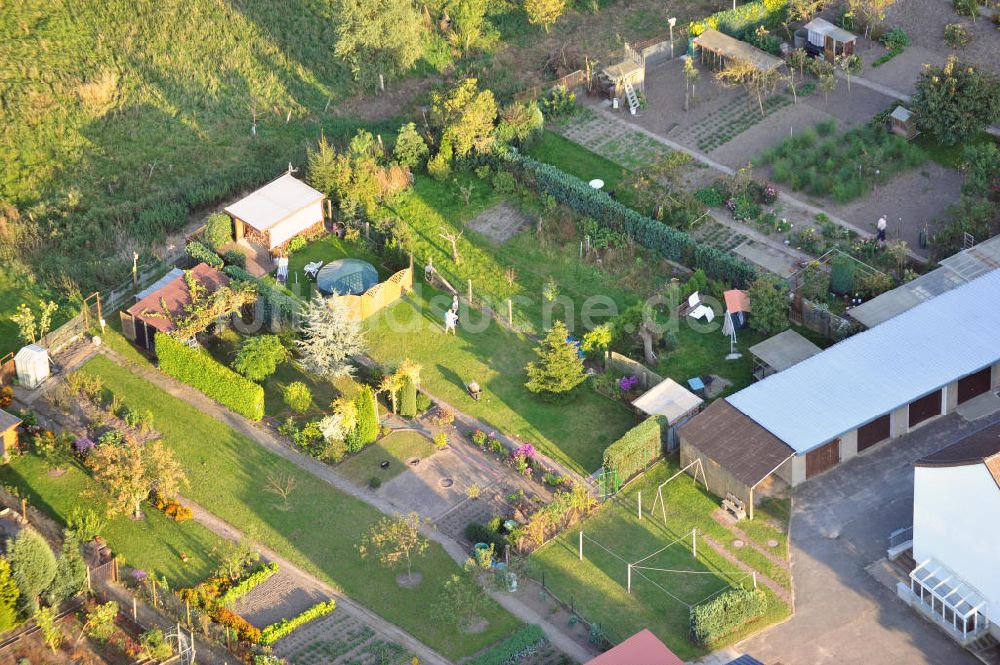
(744, 20)
(203, 254)
(714, 620)
(276, 631)
(199, 370)
(257, 576)
(277, 305)
(524, 640)
(657, 236)
(636, 448)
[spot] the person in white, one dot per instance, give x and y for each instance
(880, 227)
(450, 319)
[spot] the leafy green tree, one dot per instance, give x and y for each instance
(376, 37)
(770, 305)
(956, 101)
(469, 28)
(259, 356)
(32, 566)
(408, 398)
(465, 116)
(981, 164)
(86, 524)
(460, 603)
(348, 178)
(298, 397)
(597, 341)
(410, 149)
(368, 425)
(329, 338)
(519, 122)
(218, 230)
(32, 327)
(559, 368)
(100, 622)
(544, 12)
(395, 541)
(9, 595)
(51, 632)
(71, 572)
(130, 472)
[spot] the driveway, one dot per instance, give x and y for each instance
(840, 524)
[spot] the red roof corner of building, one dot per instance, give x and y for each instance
(643, 648)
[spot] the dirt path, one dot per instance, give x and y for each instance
(326, 473)
(313, 585)
(778, 590)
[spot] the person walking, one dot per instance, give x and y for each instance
(880, 227)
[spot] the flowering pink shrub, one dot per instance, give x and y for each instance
(527, 450)
(770, 194)
(83, 445)
(627, 383)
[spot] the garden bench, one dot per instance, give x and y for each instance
(734, 506)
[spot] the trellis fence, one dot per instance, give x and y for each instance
(379, 296)
(616, 361)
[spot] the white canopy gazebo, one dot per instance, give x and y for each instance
(948, 599)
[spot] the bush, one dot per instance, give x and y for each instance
(710, 197)
(408, 398)
(374, 482)
(201, 371)
(368, 425)
(634, 451)
(744, 20)
(477, 533)
(956, 35)
(244, 629)
(968, 8)
(523, 641)
(896, 40)
(560, 102)
(424, 403)
(718, 618)
(296, 244)
(255, 578)
(258, 357)
(202, 254)
(235, 257)
(218, 230)
(410, 149)
(656, 236)
(298, 397)
(276, 306)
(276, 631)
(439, 167)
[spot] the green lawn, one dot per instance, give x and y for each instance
(574, 431)
(950, 156)
(153, 544)
(17, 287)
(597, 585)
(395, 449)
(228, 473)
(576, 160)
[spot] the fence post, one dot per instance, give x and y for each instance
(640, 504)
(470, 291)
(24, 510)
(630, 578)
(510, 313)
(581, 545)
(135, 611)
(694, 542)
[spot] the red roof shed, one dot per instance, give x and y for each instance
(643, 648)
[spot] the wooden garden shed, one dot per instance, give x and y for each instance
(157, 311)
(277, 212)
(722, 47)
(8, 433)
(826, 39)
(902, 122)
(672, 401)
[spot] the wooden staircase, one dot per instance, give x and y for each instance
(633, 99)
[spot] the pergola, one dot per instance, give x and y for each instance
(778, 353)
(723, 47)
(948, 599)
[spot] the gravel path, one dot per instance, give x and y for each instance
(326, 473)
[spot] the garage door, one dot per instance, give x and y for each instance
(875, 431)
(974, 384)
(821, 459)
(926, 407)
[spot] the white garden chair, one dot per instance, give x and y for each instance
(312, 269)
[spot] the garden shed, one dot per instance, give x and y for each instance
(8, 433)
(158, 310)
(722, 47)
(672, 401)
(826, 39)
(778, 353)
(736, 453)
(277, 212)
(902, 122)
(32, 363)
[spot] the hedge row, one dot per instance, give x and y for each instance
(277, 305)
(203, 254)
(524, 640)
(744, 20)
(259, 575)
(639, 446)
(199, 370)
(665, 240)
(719, 617)
(276, 631)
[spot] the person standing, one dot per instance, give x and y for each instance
(454, 303)
(450, 319)
(880, 228)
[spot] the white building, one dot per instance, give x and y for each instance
(277, 212)
(956, 542)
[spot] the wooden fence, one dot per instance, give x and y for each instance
(379, 296)
(7, 369)
(570, 81)
(616, 361)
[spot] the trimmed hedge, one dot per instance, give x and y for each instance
(259, 575)
(719, 617)
(203, 254)
(637, 448)
(665, 240)
(744, 20)
(525, 639)
(408, 399)
(276, 631)
(199, 370)
(277, 305)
